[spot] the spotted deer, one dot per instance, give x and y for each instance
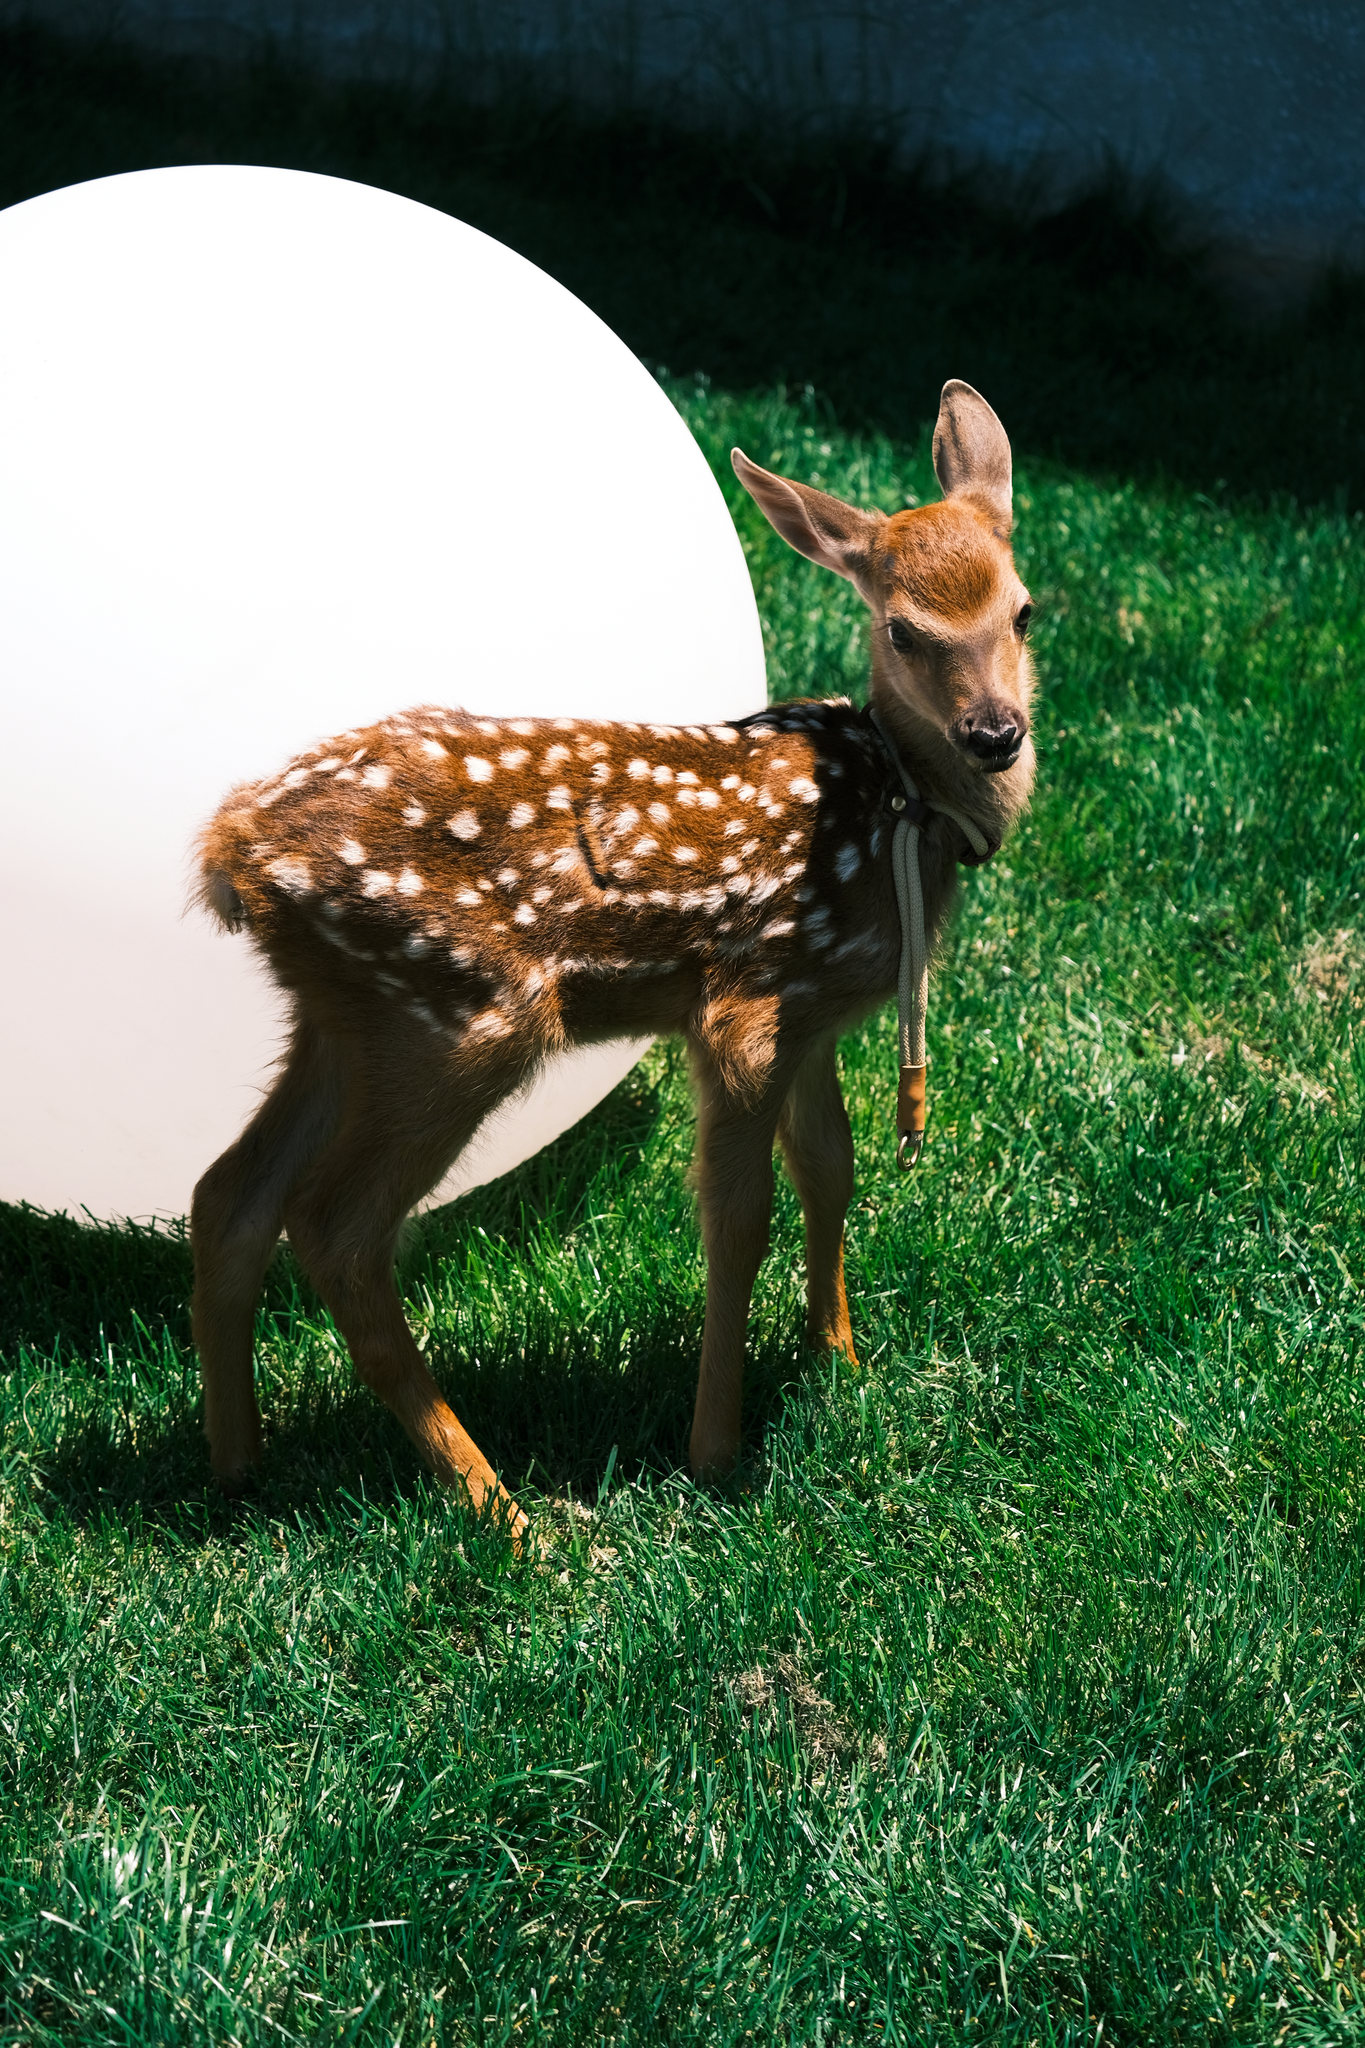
(447, 899)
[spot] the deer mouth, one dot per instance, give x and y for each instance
(1001, 758)
(992, 749)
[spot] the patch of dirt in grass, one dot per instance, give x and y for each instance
(1208, 1054)
(571, 1520)
(819, 1728)
(1331, 969)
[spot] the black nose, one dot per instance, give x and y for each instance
(994, 742)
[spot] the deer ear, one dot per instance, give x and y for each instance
(836, 535)
(972, 453)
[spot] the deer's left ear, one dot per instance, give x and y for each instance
(825, 529)
(972, 452)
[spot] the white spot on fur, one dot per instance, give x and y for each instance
(684, 853)
(847, 862)
(374, 882)
(801, 786)
(292, 874)
(410, 883)
(414, 945)
(519, 815)
(778, 929)
(352, 852)
(663, 773)
(523, 914)
(434, 751)
(468, 899)
(514, 757)
(553, 756)
(638, 770)
(644, 846)
(660, 813)
(465, 825)
(377, 776)
(726, 734)
(413, 814)
(477, 769)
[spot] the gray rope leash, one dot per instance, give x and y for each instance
(912, 991)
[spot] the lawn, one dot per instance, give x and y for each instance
(1013, 1693)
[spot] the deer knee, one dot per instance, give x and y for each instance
(231, 1235)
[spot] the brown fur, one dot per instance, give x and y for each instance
(448, 899)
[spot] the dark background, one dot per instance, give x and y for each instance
(1103, 327)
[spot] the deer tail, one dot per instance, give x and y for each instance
(220, 853)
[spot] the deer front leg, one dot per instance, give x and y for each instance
(818, 1148)
(734, 1177)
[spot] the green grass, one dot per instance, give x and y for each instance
(1017, 1686)
(1014, 1694)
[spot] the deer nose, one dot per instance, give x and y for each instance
(992, 737)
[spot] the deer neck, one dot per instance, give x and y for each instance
(944, 778)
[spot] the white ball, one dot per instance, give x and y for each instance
(281, 454)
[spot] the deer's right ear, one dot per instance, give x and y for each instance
(836, 535)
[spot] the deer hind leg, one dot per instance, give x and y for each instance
(235, 1221)
(734, 1180)
(818, 1148)
(343, 1221)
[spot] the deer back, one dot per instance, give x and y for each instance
(560, 880)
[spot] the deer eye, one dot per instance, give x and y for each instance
(1022, 618)
(902, 639)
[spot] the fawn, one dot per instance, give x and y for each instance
(448, 898)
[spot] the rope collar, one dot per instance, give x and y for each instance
(913, 816)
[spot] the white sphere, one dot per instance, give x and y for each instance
(281, 454)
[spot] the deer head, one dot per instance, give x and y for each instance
(951, 677)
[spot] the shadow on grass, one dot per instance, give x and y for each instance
(1096, 328)
(567, 1422)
